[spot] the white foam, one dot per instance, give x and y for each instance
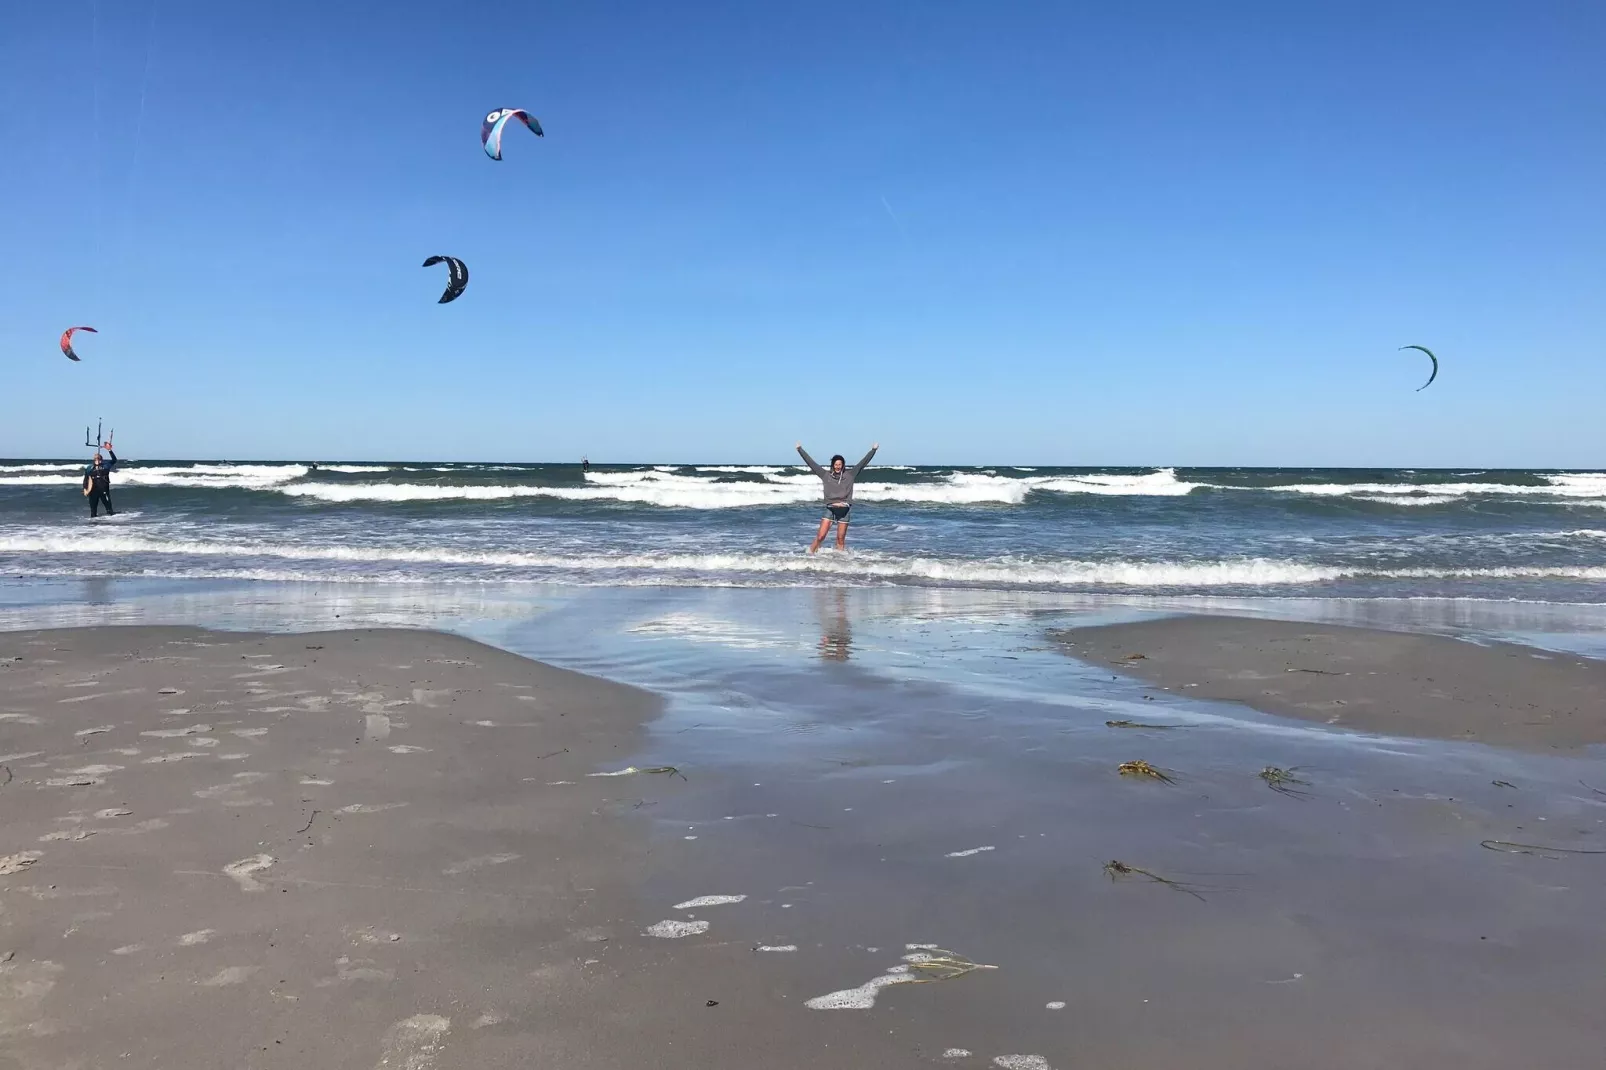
(1022, 1062)
(666, 487)
(780, 947)
(863, 997)
(967, 854)
(201, 476)
(709, 901)
(1162, 483)
(42, 467)
(1572, 485)
(669, 929)
(871, 566)
(355, 469)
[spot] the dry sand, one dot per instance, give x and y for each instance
(1375, 681)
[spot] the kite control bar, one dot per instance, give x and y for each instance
(97, 441)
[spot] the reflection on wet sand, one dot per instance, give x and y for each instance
(836, 629)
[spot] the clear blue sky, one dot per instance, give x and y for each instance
(1095, 233)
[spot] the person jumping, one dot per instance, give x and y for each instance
(838, 494)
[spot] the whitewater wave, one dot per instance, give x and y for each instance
(745, 486)
(671, 491)
(42, 467)
(862, 566)
(202, 476)
(667, 487)
(1570, 485)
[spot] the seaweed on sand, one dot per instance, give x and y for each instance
(1115, 869)
(1143, 769)
(1282, 780)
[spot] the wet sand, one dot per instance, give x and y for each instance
(1371, 680)
(329, 849)
(391, 853)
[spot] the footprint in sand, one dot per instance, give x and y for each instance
(176, 733)
(18, 862)
(243, 872)
(413, 1043)
(475, 863)
(230, 975)
(346, 970)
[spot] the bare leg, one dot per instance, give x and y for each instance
(842, 535)
(819, 536)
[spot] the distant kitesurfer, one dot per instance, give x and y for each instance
(838, 494)
(98, 482)
(585, 465)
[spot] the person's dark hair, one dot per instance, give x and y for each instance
(835, 457)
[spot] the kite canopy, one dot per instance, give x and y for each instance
(491, 128)
(456, 279)
(66, 340)
(1435, 360)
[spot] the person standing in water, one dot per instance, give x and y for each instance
(98, 482)
(838, 482)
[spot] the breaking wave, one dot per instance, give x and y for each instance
(864, 566)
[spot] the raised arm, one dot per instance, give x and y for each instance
(113, 463)
(813, 467)
(860, 466)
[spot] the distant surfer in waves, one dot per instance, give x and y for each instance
(98, 482)
(585, 465)
(838, 482)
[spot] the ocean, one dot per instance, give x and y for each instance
(1537, 536)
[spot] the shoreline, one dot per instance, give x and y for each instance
(1364, 679)
(386, 848)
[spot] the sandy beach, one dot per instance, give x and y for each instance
(227, 850)
(385, 849)
(1366, 679)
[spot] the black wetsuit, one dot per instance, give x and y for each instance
(98, 481)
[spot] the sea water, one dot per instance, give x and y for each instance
(1534, 536)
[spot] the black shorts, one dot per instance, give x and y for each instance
(837, 512)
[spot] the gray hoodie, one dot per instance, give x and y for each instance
(838, 487)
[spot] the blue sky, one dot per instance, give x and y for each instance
(1147, 233)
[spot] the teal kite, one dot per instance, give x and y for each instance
(1431, 357)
